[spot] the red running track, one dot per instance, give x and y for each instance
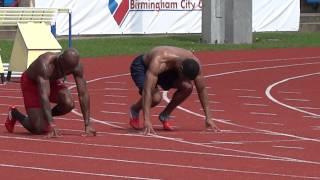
(266, 102)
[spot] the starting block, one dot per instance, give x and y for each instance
(32, 40)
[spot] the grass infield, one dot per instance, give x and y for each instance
(131, 45)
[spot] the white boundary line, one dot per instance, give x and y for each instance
(251, 142)
(246, 90)
(150, 149)
(289, 147)
(255, 104)
(298, 100)
(269, 89)
(263, 113)
(117, 104)
(11, 97)
(310, 108)
(289, 92)
(270, 123)
(150, 163)
(261, 68)
(259, 61)
(251, 97)
(71, 172)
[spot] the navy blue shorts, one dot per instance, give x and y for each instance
(138, 70)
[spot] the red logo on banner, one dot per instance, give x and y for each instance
(119, 10)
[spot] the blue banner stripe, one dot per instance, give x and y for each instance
(112, 5)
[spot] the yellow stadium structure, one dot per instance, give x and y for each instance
(32, 39)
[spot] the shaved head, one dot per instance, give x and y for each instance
(70, 58)
(68, 61)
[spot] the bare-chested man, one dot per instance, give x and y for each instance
(167, 67)
(41, 84)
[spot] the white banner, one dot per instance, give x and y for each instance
(161, 16)
(275, 15)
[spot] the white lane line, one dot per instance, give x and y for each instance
(298, 100)
(269, 123)
(255, 104)
(9, 89)
(118, 104)
(209, 94)
(289, 147)
(133, 134)
(160, 106)
(263, 113)
(315, 127)
(289, 92)
(68, 119)
(251, 142)
(309, 108)
(99, 121)
(117, 96)
(246, 90)
(211, 102)
(269, 89)
(11, 97)
(261, 68)
(8, 105)
(114, 82)
(68, 82)
(154, 164)
(116, 89)
(198, 153)
(93, 90)
(313, 117)
(259, 61)
(241, 132)
(216, 110)
(113, 112)
(72, 172)
(251, 97)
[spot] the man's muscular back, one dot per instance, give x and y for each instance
(166, 58)
(44, 66)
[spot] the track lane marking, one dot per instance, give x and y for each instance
(160, 164)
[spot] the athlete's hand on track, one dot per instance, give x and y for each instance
(210, 125)
(89, 131)
(52, 132)
(148, 128)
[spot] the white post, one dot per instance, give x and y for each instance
(213, 21)
(238, 24)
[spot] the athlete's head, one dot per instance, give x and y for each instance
(190, 68)
(68, 60)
